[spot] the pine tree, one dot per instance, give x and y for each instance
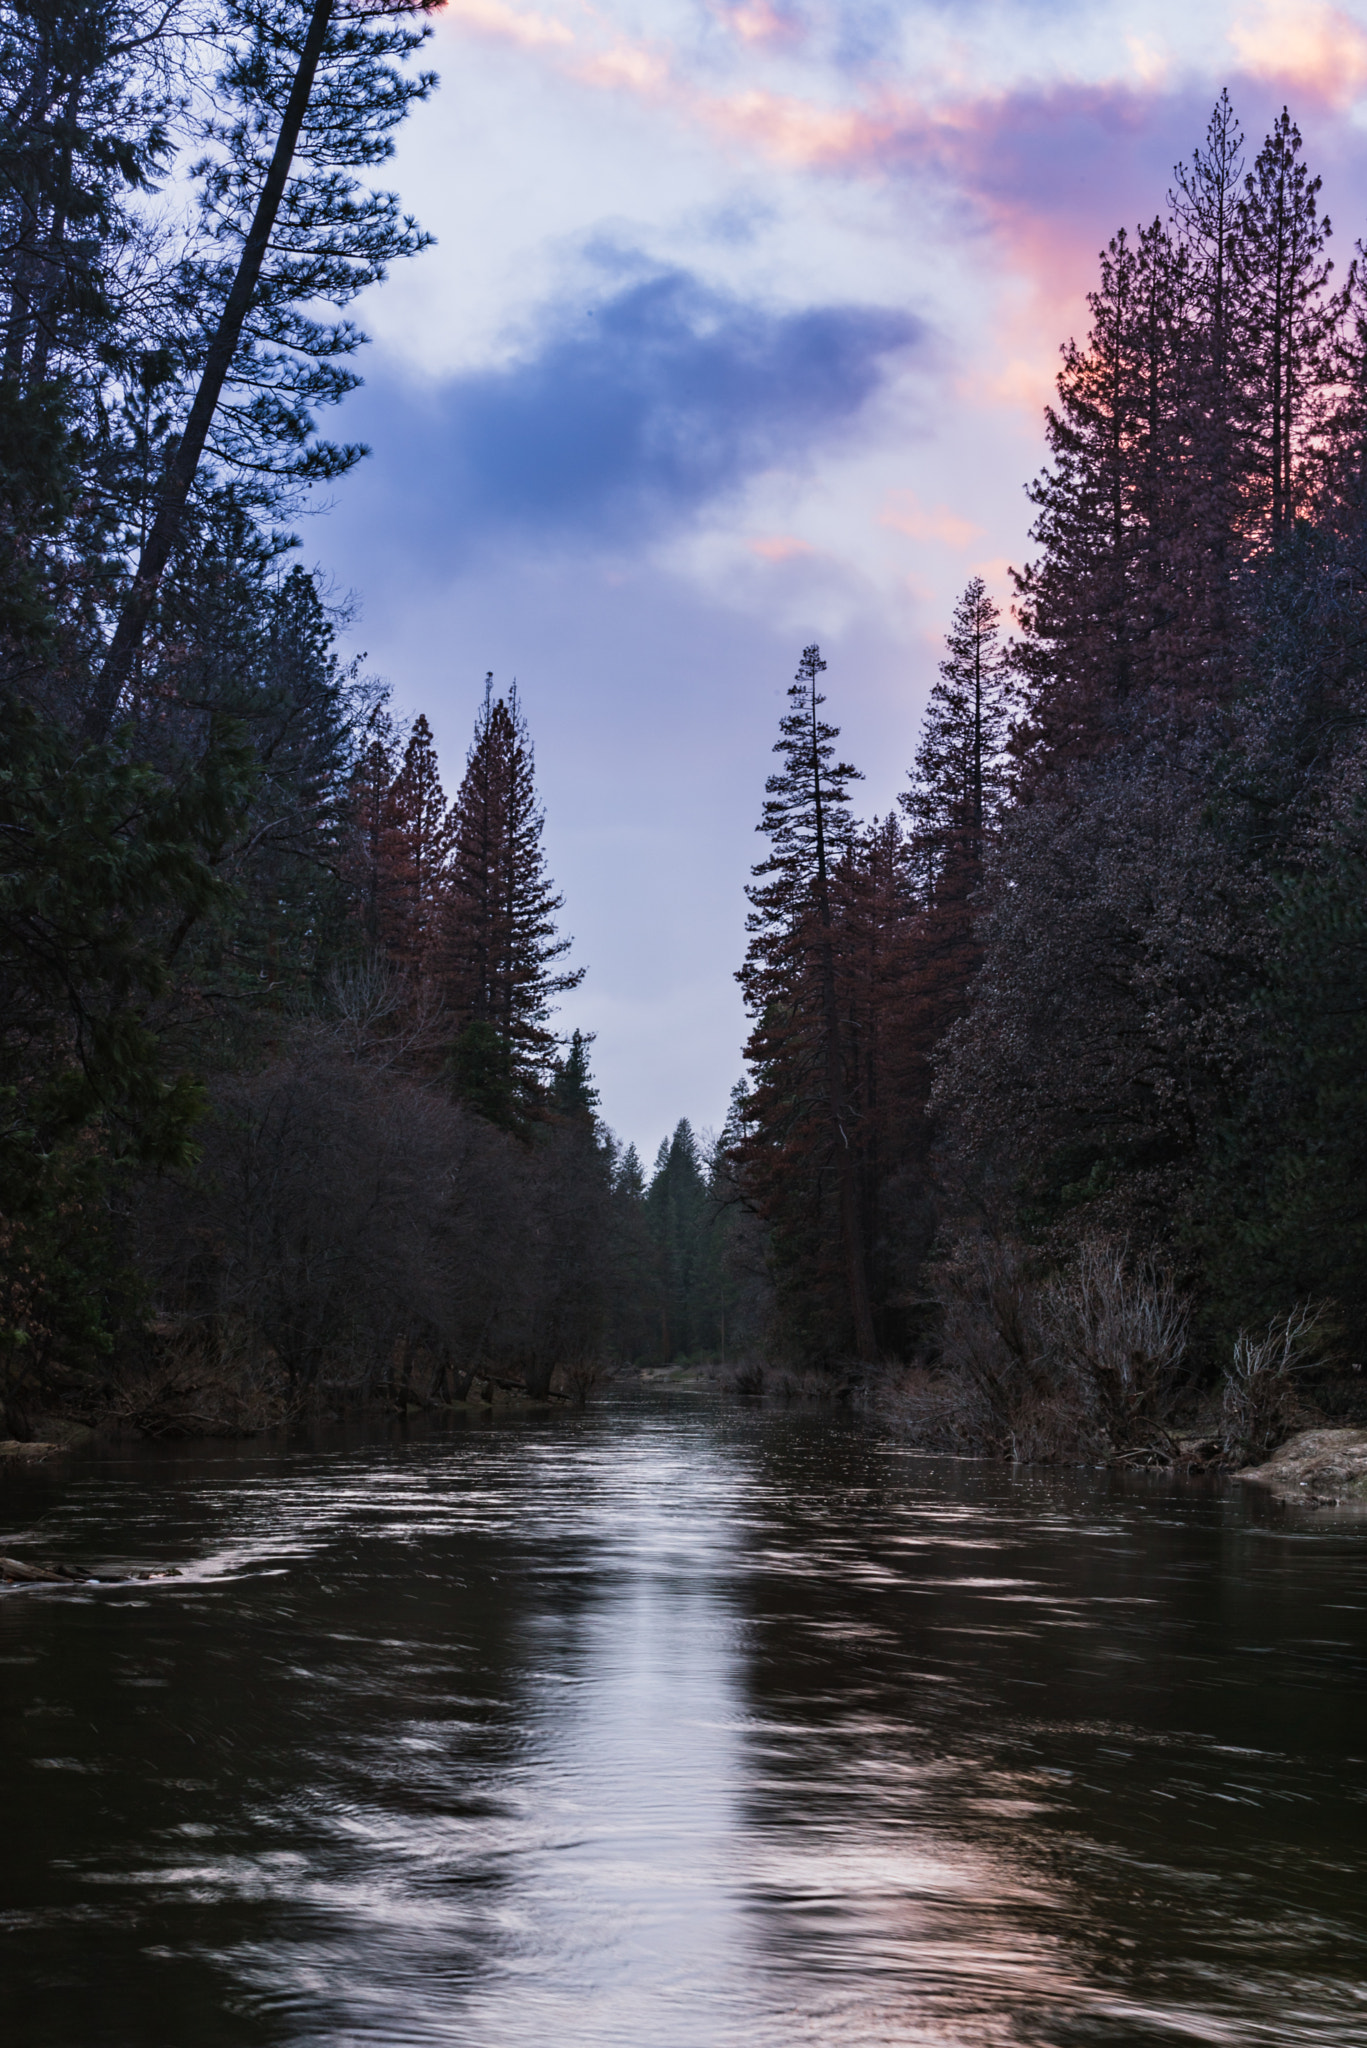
(1204, 206)
(678, 1213)
(418, 852)
(573, 1094)
(960, 777)
(500, 945)
(802, 1142)
(1098, 605)
(370, 864)
(1286, 316)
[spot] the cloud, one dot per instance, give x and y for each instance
(779, 547)
(1311, 48)
(632, 415)
(905, 514)
(507, 24)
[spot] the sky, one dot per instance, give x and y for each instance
(737, 334)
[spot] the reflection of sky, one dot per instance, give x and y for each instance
(674, 1727)
(737, 334)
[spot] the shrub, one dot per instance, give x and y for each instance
(1260, 1407)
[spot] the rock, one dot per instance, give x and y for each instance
(17, 1571)
(1318, 1468)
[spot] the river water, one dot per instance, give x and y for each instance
(676, 1727)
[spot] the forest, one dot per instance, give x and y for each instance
(1051, 1137)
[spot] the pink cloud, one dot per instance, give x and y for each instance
(904, 512)
(505, 24)
(798, 132)
(755, 21)
(779, 547)
(1308, 47)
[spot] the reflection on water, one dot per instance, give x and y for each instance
(677, 1730)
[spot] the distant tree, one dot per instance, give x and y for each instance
(371, 864)
(1286, 317)
(678, 1212)
(500, 944)
(801, 1149)
(572, 1093)
(1097, 604)
(635, 1287)
(418, 854)
(960, 777)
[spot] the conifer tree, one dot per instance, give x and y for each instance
(960, 776)
(573, 1094)
(1204, 206)
(500, 945)
(802, 1147)
(418, 852)
(1286, 317)
(371, 863)
(678, 1214)
(1098, 604)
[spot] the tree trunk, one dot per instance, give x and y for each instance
(180, 470)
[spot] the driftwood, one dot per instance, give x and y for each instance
(14, 1572)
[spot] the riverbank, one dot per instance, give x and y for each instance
(1317, 1468)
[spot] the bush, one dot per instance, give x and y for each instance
(1120, 1332)
(1261, 1406)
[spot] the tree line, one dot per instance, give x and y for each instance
(1101, 981)
(284, 1116)
(1053, 1078)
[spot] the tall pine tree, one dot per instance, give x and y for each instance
(800, 1157)
(501, 947)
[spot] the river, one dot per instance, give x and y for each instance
(676, 1727)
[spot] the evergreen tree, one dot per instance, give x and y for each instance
(573, 1094)
(305, 97)
(801, 1151)
(678, 1211)
(1098, 605)
(960, 777)
(500, 944)
(1285, 318)
(418, 851)
(371, 866)
(1205, 210)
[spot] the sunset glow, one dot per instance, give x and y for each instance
(739, 333)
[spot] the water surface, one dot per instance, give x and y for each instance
(677, 1728)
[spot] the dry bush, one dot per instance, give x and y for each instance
(585, 1377)
(1118, 1329)
(934, 1411)
(194, 1385)
(1261, 1405)
(1045, 1369)
(1015, 1398)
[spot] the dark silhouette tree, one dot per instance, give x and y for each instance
(960, 777)
(1285, 316)
(417, 852)
(803, 1142)
(501, 948)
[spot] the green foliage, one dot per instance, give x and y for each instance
(483, 1079)
(1284, 1213)
(103, 868)
(573, 1094)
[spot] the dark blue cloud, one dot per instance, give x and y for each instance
(632, 415)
